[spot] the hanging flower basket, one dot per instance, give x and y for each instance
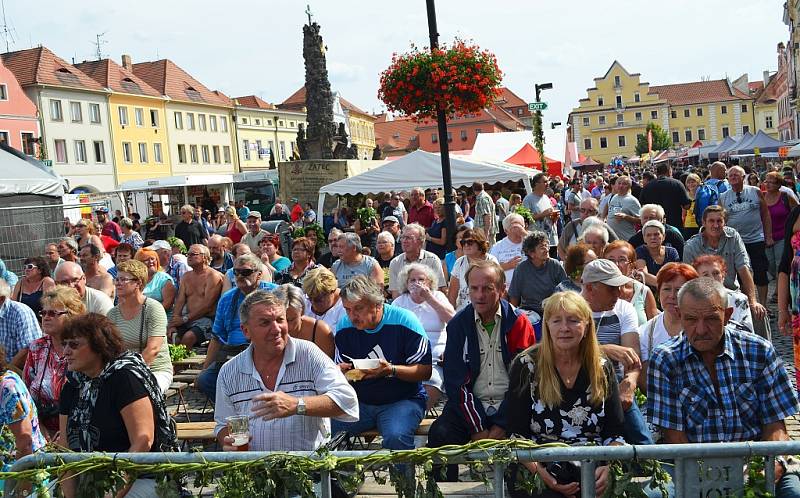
(462, 79)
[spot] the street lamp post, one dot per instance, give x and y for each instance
(538, 129)
(444, 147)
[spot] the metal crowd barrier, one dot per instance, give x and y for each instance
(707, 470)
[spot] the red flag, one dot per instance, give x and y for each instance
(650, 141)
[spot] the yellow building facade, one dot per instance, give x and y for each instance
(362, 131)
(139, 138)
(618, 108)
(260, 128)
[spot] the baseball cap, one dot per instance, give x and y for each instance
(293, 199)
(392, 219)
(160, 244)
(254, 214)
(101, 209)
(605, 272)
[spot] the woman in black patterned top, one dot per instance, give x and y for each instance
(563, 390)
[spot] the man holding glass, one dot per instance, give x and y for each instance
(288, 388)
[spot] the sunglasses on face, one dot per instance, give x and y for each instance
(52, 313)
(243, 272)
(72, 344)
(30, 266)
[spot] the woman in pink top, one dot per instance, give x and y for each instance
(780, 204)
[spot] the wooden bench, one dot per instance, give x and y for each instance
(196, 431)
(195, 361)
(188, 376)
(176, 389)
(422, 430)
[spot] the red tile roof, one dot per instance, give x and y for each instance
(111, 75)
(697, 92)
(396, 134)
(755, 86)
(40, 66)
(169, 79)
(297, 101)
(253, 102)
(510, 98)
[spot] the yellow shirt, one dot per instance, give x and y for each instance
(690, 221)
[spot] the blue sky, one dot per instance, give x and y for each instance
(246, 47)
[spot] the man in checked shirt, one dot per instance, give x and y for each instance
(714, 383)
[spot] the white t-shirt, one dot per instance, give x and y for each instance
(660, 335)
(331, 317)
(612, 325)
(505, 250)
(433, 325)
(460, 268)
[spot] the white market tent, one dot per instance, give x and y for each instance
(20, 176)
(424, 169)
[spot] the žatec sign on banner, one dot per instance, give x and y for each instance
(537, 106)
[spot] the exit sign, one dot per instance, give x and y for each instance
(537, 106)
(48, 162)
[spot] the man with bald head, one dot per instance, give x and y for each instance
(197, 298)
(573, 230)
(221, 259)
(71, 274)
(748, 214)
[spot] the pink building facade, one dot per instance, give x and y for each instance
(19, 122)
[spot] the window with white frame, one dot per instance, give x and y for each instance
(215, 154)
(621, 141)
(80, 151)
(28, 146)
(190, 121)
(154, 118)
(768, 121)
(701, 134)
(61, 150)
(94, 113)
(676, 137)
(637, 97)
(283, 150)
(725, 132)
(3, 92)
(75, 112)
(127, 152)
(182, 153)
(99, 152)
(123, 115)
(223, 124)
(688, 135)
(603, 142)
(686, 113)
(212, 123)
(586, 121)
(138, 116)
(206, 155)
(157, 156)
(601, 120)
(587, 143)
(55, 111)
(246, 149)
(600, 102)
(745, 129)
(744, 107)
(178, 120)
(201, 122)
(723, 109)
(699, 111)
(193, 154)
(653, 114)
(226, 154)
(638, 116)
(143, 152)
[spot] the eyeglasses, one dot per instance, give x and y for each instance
(466, 242)
(72, 344)
(30, 266)
(124, 280)
(52, 313)
(244, 272)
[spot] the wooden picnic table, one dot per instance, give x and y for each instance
(195, 361)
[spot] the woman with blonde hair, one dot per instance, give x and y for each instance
(45, 366)
(690, 224)
(142, 321)
(563, 390)
(235, 227)
(324, 303)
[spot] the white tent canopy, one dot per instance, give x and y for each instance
(424, 169)
(20, 176)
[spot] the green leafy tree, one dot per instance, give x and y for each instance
(661, 139)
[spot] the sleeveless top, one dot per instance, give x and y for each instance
(155, 286)
(778, 213)
(32, 300)
(233, 233)
(639, 294)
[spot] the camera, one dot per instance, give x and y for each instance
(565, 472)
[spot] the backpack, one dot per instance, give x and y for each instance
(706, 195)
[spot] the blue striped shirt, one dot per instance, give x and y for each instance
(227, 327)
(754, 389)
(18, 327)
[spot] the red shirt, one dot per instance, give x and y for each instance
(297, 213)
(422, 215)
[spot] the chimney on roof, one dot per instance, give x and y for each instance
(766, 77)
(127, 63)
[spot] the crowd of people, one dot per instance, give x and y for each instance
(553, 309)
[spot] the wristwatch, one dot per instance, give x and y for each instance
(301, 406)
(185, 318)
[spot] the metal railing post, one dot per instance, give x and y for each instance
(677, 477)
(499, 480)
(325, 483)
(769, 473)
(587, 478)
